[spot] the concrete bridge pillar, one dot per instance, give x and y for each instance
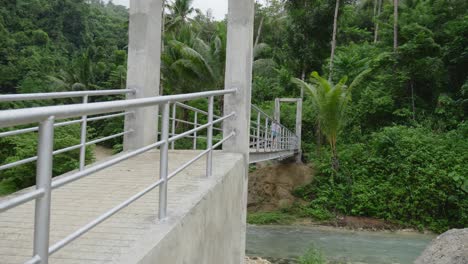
(143, 74)
(239, 58)
(299, 129)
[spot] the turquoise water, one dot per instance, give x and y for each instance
(290, 242)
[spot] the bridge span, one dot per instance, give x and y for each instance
(156, 201)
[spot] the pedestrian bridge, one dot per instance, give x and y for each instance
(177, 193)
(106, 212)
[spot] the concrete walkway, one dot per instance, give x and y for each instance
(78, 203)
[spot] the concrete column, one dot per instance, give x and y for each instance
(299, 128)
(239, 58)
(143, 73)
(277, 113)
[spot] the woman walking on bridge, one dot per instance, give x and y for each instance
(275, 130)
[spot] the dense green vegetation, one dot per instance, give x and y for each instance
(391, 145)
(58, 45)
(398, 148)
(264, 218)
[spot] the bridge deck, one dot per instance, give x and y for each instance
(78, 203)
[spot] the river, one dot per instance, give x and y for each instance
(290, 242)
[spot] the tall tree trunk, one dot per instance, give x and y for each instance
(163, 30)
(333, 43)
(412, 99)
(318, 133)
(376, 16)
(303, 78)
(395, 25)
(335, 161)
(259, 31)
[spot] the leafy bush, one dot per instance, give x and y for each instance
(407, 175)
(264, 218)
(312, 210)
(312, 256)
(25, 146)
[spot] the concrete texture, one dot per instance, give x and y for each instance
(449, 248)
(143, 74)
(208, 230)
(205, 222)
(239, 57)
(259, 156)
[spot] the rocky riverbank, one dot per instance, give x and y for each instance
(256, 260)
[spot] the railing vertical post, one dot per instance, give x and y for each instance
(209, 139)
(289, 140)
(195, 125)
(163, 160)
(43, 181)
(84, 120)
(174, 114)
(258, 131)
(283, 130)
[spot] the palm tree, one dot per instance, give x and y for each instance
(333, 42)
(80, 76)
(331, 103)
(179, 13)
(189, 63)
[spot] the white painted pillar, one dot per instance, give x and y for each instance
(239, 74)
(277, 113)
(239, 58)
(143, 73)
(299, 129)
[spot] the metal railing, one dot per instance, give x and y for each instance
(83, 120)
(267, 135)
(46, 117)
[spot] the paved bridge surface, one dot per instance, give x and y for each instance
(80, 202)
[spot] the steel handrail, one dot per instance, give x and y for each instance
(46, 117)
(31, 115)
(65, 123)
(262, 139)
(57, 95)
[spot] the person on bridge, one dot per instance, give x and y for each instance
(275, 130)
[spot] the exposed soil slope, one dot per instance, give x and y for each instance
(270, 187)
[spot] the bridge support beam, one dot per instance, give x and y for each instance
(239, 58)
(143, 74)
(299, 129)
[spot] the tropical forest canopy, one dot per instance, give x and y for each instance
(385, 91)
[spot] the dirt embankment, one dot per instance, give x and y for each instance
(270, 187)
